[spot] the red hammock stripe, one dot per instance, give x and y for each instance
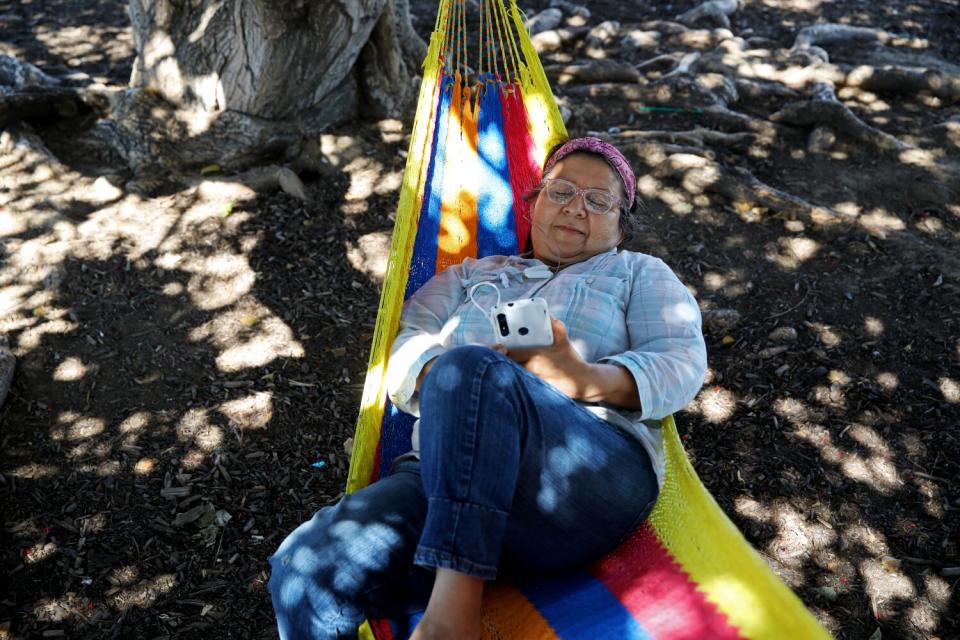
(643, 575)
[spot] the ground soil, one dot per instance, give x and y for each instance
(184, 357)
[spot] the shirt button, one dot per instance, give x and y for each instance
(589, 280)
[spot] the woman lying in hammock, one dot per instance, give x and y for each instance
(534, 460)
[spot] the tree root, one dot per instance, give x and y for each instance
(828, 34)
(697, 175)
(768, 70)
(890, 79)
(667, 59)
(684, 93)
(51, 101)
(258, 180)
(596, 71)
(824, 109)
(555, 39)
(724, 116)
(413, 47)
(716, 10)
(18, 74)
(19, 143)
(947, 134)
(753, 89)
(696, 138)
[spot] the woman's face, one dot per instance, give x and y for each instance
(566, 233)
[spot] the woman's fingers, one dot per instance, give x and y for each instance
(559, 332)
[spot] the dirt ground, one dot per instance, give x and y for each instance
(190, 361)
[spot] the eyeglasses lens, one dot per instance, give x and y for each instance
(594, 200)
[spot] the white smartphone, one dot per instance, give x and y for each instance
(522, 323)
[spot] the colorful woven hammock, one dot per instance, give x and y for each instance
(479, 139)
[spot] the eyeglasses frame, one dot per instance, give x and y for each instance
(582, 192)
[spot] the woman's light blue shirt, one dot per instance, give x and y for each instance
(622, 308)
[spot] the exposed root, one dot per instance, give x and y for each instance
(665, 27)
(19, 143)
(681, 92)
(724, 116)
(17, 74)
(695, 138)
(596, 71)
(670, 60)
(51, 101)
(907, 80)
(684, 66)
(824, 109)
(715, 10)
(554, 39)
(258, 180)
(828, 34)
(754, 89)
(698, 175)
(946, 133)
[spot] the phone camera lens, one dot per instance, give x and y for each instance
(502, 323)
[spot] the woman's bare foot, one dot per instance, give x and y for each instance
(453, 612)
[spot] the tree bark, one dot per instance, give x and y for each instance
(240, 82)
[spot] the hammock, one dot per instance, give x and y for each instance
(479, 138)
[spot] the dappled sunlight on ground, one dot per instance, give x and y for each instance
(191, 359)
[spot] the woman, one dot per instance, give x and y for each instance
(534, 460)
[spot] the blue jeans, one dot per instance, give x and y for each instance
(513, 476)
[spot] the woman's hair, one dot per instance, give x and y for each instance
(629, 213)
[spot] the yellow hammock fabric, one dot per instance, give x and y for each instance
(479, 137)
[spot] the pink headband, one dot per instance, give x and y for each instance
(608, 152)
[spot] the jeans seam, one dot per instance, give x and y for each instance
(436, 555)
(475, 399)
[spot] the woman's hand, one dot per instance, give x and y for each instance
(561, 365)
(558, 364)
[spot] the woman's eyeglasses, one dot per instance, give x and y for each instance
(595, 201)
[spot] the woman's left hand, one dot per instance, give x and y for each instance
(559, 364)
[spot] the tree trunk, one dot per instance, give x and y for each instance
(240, 82)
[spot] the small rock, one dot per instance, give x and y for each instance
(720, 320)
(104, 191)
(291, 184)
(770, 352)
(783, 334)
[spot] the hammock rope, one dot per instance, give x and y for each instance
(478, 141)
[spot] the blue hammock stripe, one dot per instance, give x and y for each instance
(578, 607)
(423, 263)
(496, 233)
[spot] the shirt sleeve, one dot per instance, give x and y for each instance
(667, 356)
(420, 338)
